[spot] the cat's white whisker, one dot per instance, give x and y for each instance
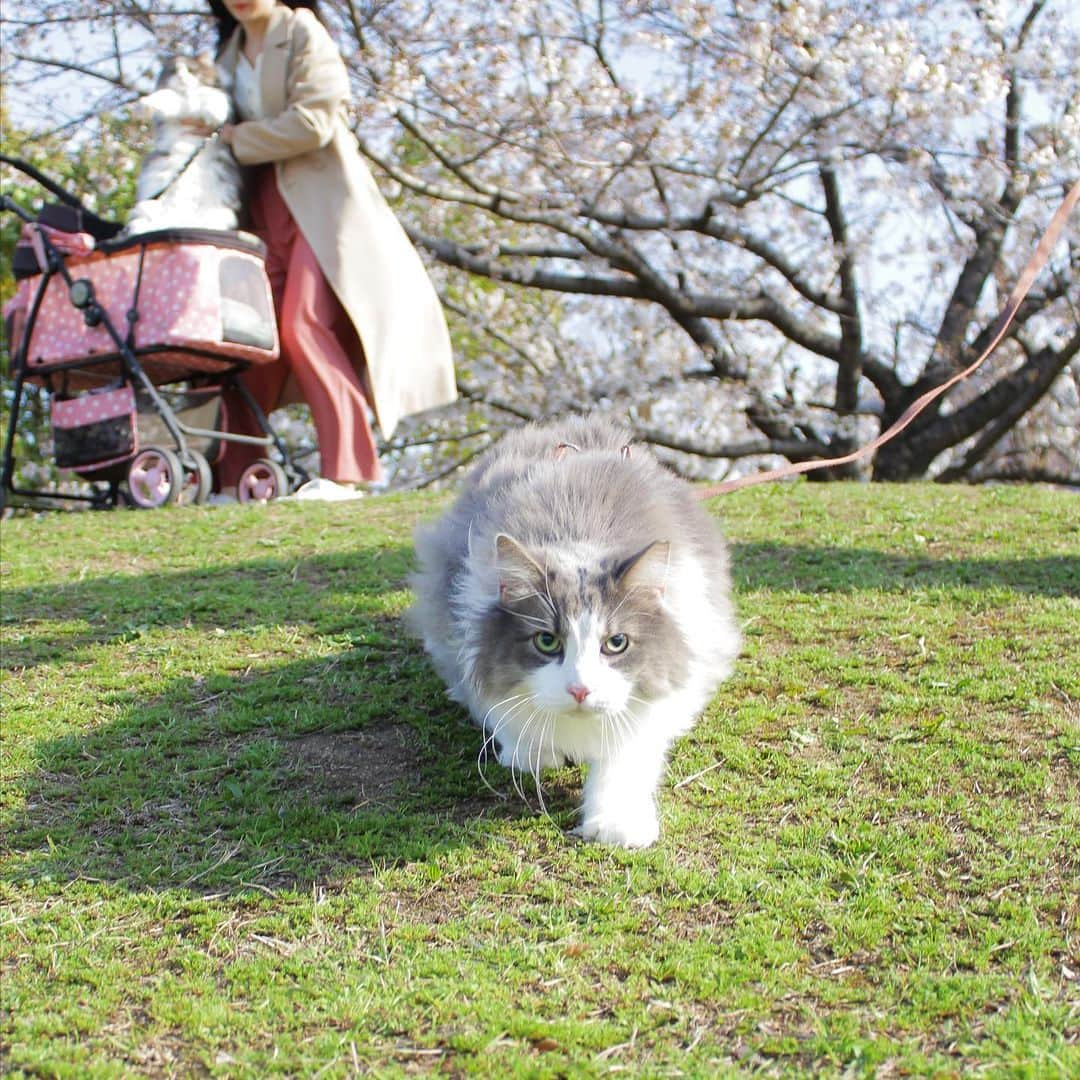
(543, 597)
(521, 598)
(496, 733)
(618, 606)
(532, 620)
(552, 607)
(516, 758)
(622, 727)
(536, 772)
(499, 704)
(490, 736)
(617, 733)
(487, 783)
(500, 723)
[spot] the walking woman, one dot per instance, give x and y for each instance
(359, 320)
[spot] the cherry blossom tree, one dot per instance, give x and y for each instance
(757, 228)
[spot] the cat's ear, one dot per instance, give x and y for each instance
(520, 575)
(648, 569)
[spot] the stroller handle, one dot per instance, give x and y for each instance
(8, 203)
(98, 226)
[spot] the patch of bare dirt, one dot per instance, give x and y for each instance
(376, 765)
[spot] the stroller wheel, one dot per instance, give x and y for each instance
(198, 480)
(262, 481)
(155, 477)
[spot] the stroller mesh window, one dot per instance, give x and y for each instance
(246, 317)
(98, 427)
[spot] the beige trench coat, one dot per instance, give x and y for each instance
(359, 244)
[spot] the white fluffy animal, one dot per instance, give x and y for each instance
(189, 179)
(576, 600)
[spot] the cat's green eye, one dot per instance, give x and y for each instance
(547, 643)
(615, 644)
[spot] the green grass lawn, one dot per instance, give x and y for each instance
(244, 833)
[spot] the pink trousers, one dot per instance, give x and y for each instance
(317, 339)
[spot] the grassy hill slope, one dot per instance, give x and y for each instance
(244, 833)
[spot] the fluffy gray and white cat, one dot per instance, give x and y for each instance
(189, 179)
(576, 600)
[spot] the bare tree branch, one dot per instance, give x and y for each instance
(995, 412)
(849, 369)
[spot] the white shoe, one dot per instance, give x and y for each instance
(322, 490)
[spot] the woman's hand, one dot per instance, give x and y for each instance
(198, 127)
(226, 134)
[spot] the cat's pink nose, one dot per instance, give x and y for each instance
(578, 693)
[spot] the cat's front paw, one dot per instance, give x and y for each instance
(638, 829)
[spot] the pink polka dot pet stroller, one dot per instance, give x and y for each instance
(134, 341)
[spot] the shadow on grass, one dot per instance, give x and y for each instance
(792, 567)
(277, 775)
(224, 784)
(304, 771)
